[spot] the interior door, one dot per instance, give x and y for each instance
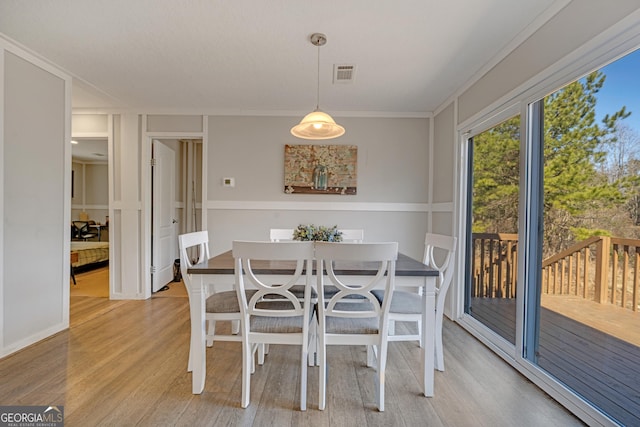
(163, 237)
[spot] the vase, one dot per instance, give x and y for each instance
(320, 177)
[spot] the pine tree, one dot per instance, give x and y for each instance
(574, 153)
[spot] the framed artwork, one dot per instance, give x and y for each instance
(320, 169)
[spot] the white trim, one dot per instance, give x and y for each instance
(90, 162)
(490, 119)
(115, 240)
(127, 205)
(66, 208)
(431, 150)
(2, 119)
(90, 135)
(460, 214)
(204, 172)
(327, 206)
(282, 113)
(85, 207)
(38, 336)
(171, 135)
(15, 48)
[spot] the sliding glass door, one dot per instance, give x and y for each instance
(553, 240)
(493, 202)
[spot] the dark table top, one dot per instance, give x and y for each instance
(223, 264)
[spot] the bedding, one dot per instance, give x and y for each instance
(90, 252)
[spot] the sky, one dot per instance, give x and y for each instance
(621, 87)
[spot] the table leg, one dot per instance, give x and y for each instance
(428, 334)
(198, 360)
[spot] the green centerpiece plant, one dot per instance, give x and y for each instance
(320, 233)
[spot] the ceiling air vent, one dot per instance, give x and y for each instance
(343, 73)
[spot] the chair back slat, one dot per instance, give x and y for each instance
(440, 246)
(280, 234)
(355, 299)
(248, 254)
(194, 250)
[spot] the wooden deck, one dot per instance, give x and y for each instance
(592, 348)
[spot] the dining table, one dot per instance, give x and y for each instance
(219, 273)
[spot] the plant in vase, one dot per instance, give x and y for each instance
(320, 233)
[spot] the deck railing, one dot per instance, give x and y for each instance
(494, 265)
(602, 269)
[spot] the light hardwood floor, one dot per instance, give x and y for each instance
(124, 363)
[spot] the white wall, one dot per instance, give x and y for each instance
(35, 171)
(91, 190)
(392, 190)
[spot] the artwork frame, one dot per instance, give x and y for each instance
(321, 169)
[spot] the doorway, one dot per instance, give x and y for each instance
(89, 217)
(176, 205)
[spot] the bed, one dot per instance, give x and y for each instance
(90, 254)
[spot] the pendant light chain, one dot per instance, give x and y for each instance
(318, 88)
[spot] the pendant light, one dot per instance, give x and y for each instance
(317, 124)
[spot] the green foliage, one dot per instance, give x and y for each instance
(496, 178)
(581, 233)
(575, 151)
(321, 233)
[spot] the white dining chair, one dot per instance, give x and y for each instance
(354, 235)
(406, 305)
(285, 319)
(345, 320)
(280, 234)
(219, 306)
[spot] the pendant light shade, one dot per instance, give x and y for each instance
(317, 124)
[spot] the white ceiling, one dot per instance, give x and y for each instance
(90, 150)
(254, 56)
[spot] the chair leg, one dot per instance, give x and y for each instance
(370, 356)
(303, 377)
(380, 377)
(261, 353)
(235, 327)
(392, 327)
(211, 331)
(312, 354)
(247, 357)
(254, 348)
(419, 323)
(322, 374)
(439, 362)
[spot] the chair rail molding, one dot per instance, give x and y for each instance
(329, 206)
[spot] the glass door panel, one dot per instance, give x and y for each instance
(493, 213)
(589, 325)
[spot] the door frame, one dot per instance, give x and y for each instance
(108, 136)
(147, 142)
